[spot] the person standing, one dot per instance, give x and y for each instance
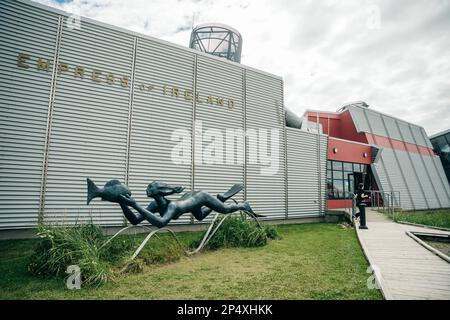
(359, 198)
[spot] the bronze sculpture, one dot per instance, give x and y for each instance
(199, 203)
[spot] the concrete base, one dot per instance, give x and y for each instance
(31, 233)
(336, 215)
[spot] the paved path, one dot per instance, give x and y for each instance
(407, 269)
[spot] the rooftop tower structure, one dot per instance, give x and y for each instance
(217, 39)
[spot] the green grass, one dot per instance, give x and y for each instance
(435, 218)
(311, 261)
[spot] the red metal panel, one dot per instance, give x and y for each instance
(337, 204)
(349, 151)
(337, 125)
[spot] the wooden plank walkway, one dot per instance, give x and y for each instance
(407, 270)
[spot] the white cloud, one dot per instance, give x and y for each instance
(391, 54)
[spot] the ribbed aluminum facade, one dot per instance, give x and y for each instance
(157, 110)
(24, 103)
(107, 107)
(264, 110)
(212, 170)
(88, 134)
(306, 163)
(419, 178)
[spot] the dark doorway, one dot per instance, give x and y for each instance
(353, 180)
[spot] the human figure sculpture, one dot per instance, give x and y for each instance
(199, 203)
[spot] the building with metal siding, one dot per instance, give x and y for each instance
(103, 102)
(106, 103)
(306, 169)
(406, 164)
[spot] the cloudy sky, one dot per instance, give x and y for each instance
(393, 54)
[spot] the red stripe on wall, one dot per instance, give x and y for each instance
(398, 145)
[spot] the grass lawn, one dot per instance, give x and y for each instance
(435, 218)
(311, 261)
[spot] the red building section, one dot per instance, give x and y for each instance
(347, 145)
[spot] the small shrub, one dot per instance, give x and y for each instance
(62, 246)
(272, 232)
(162, 250)
(116, 250)
(134, 266)
(238, 232)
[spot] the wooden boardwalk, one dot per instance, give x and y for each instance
(407, 270)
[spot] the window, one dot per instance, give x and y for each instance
(337, 165)
(338, 174)
(338, 189)
(340, 178)
(348, 166)
(330, 189)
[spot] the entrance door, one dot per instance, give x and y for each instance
(359, 178)
(353, 180)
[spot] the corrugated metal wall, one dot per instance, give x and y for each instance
(427, 185)
(410, 179)
(266, 190)
(421, 187)
(303, 167)
(359, 119)
(89, 124)
(218, 158)
(323, 156)
(383, 182)
(24, 104)
(163, 102)
(116, 100)
(419, 139)
(392, 127)
(375, 123)
(389, 164)
(406, 133)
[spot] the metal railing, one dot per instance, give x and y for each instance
(385, 200)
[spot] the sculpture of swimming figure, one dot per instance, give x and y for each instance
(199, 203)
